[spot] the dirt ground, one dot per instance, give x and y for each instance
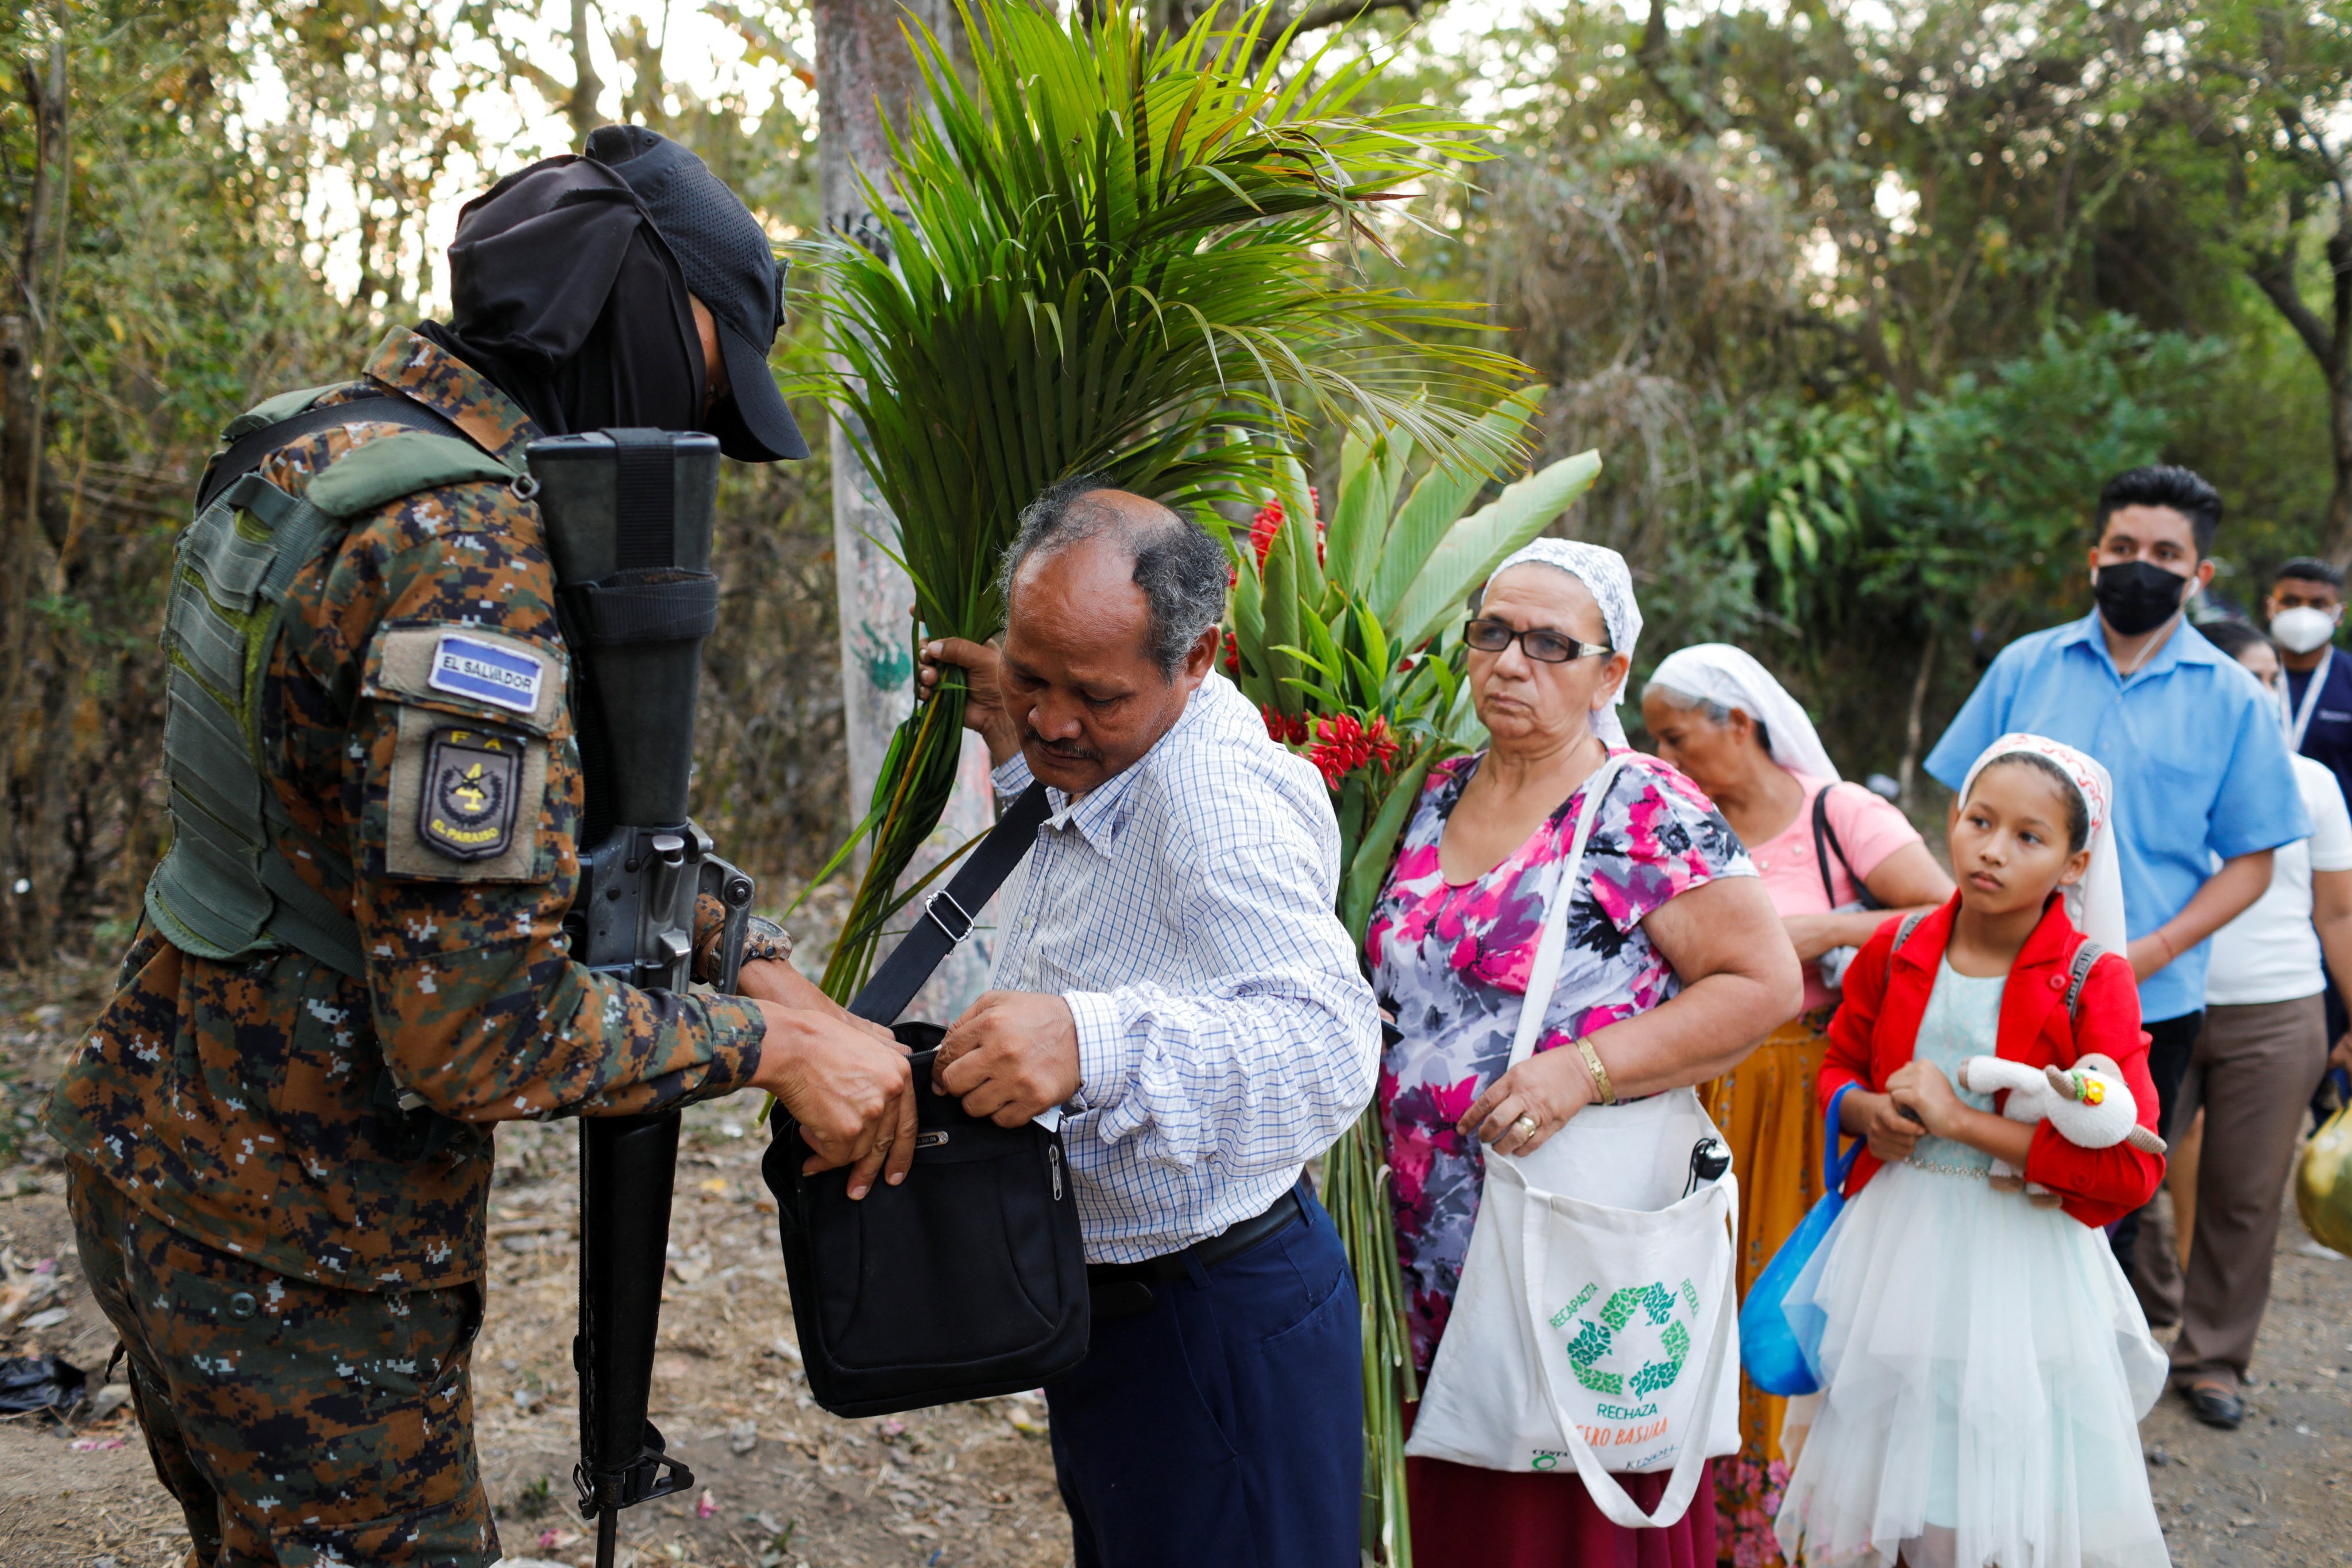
(780, 1483)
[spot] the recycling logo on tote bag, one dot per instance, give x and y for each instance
(1625, 1348)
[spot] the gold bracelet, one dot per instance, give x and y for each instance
(1600, 1074)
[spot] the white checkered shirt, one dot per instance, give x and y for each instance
(1226, 1036)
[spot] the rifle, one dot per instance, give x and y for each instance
(628, 517)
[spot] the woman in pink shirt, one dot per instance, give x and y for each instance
(1838, 862)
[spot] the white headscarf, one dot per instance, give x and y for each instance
(2096, 904)
(1730, 678)
(1602, 569)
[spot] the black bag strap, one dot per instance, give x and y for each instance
(1825, 844)
(246, 453)
(947, 914)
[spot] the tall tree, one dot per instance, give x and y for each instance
(867, 80)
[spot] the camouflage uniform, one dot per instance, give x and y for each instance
(233, 1134)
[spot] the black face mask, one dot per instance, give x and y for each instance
(2138, 596)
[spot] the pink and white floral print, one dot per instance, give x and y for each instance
(1451, 962)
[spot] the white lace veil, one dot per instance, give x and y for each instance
(1602, 569)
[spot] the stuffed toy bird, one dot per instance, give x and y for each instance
(2091, 1105)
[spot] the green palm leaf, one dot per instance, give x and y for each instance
(1100, 246)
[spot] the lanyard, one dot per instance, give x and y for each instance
(2310, 699)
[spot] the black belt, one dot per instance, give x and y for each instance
(1124, 1290)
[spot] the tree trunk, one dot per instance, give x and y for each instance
(1913, 720)
(25, 569)
(581, 107)
(863, 70)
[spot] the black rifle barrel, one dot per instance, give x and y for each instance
(629, 516)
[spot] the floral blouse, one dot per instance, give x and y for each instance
(1450, 961)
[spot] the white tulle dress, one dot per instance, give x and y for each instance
(1983, 1365)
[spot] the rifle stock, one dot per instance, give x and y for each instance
(628, 517)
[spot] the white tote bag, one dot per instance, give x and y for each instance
(1595, 1324)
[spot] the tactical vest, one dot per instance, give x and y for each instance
(224, 890)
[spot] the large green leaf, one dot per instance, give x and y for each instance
(1436, 503)
(1369, 472)
(1474, 547)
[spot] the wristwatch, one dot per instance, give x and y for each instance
(762, 937)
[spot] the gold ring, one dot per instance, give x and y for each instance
(1527, 1126)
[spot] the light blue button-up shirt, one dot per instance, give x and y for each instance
(2193, 745)
(1227, 1033)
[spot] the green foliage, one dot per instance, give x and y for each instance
(1101, 246)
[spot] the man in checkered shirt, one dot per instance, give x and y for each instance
(1172, 982)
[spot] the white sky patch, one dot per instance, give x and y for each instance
(515, 125)
(1896, 202)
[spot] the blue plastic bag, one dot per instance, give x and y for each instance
(1769, 1348)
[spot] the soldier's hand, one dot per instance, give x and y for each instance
(1012, 1055)
(852, 1096)
(985, 712)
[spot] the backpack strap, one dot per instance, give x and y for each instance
(250, 443)
(2078, 974)
(1910, 923)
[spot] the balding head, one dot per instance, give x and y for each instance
(1179, 567)
(1111, 606)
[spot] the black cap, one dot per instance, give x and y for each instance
(728, 267)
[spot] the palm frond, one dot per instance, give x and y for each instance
(1100, 246)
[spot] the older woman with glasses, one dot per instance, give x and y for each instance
(1675, 966)
(1838, 862)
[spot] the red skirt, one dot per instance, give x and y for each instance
(1465, 1516)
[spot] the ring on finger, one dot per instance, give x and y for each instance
(1527, 1126)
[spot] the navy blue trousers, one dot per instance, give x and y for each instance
(1225, 1425)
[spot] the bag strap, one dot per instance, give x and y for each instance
(2078, 974)
(1902, 932)
(1836, 1163)
(1825, 844)
(1544, 973)
(244, 455)
(942, 928)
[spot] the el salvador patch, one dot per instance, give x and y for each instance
(485, 672)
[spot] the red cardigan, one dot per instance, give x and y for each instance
(1878, 1026)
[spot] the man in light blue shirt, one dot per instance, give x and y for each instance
(1171, 978)
(2191, 739)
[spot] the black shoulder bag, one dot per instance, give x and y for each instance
(969, 1278)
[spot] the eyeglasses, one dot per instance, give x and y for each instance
(1543, 646)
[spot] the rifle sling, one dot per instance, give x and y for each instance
(935, 933)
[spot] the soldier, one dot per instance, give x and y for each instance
(278, 1132)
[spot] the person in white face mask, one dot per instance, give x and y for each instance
(2304, 607)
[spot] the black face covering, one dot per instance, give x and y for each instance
(563, 296)
(2138, 596)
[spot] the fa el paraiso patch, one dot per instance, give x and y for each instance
(472, 784)
(504, 676)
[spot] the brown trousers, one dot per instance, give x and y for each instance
(2251, 1071)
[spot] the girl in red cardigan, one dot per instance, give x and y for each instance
(1983, 1365)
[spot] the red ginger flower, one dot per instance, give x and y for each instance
(1290, 728)
(1233, 660)
(1342, 745)
(1266, 521)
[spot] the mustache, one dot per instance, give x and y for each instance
(1065, 751)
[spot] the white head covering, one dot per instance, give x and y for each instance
(2096, 904)
(1729, 676)
(1602, 569)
